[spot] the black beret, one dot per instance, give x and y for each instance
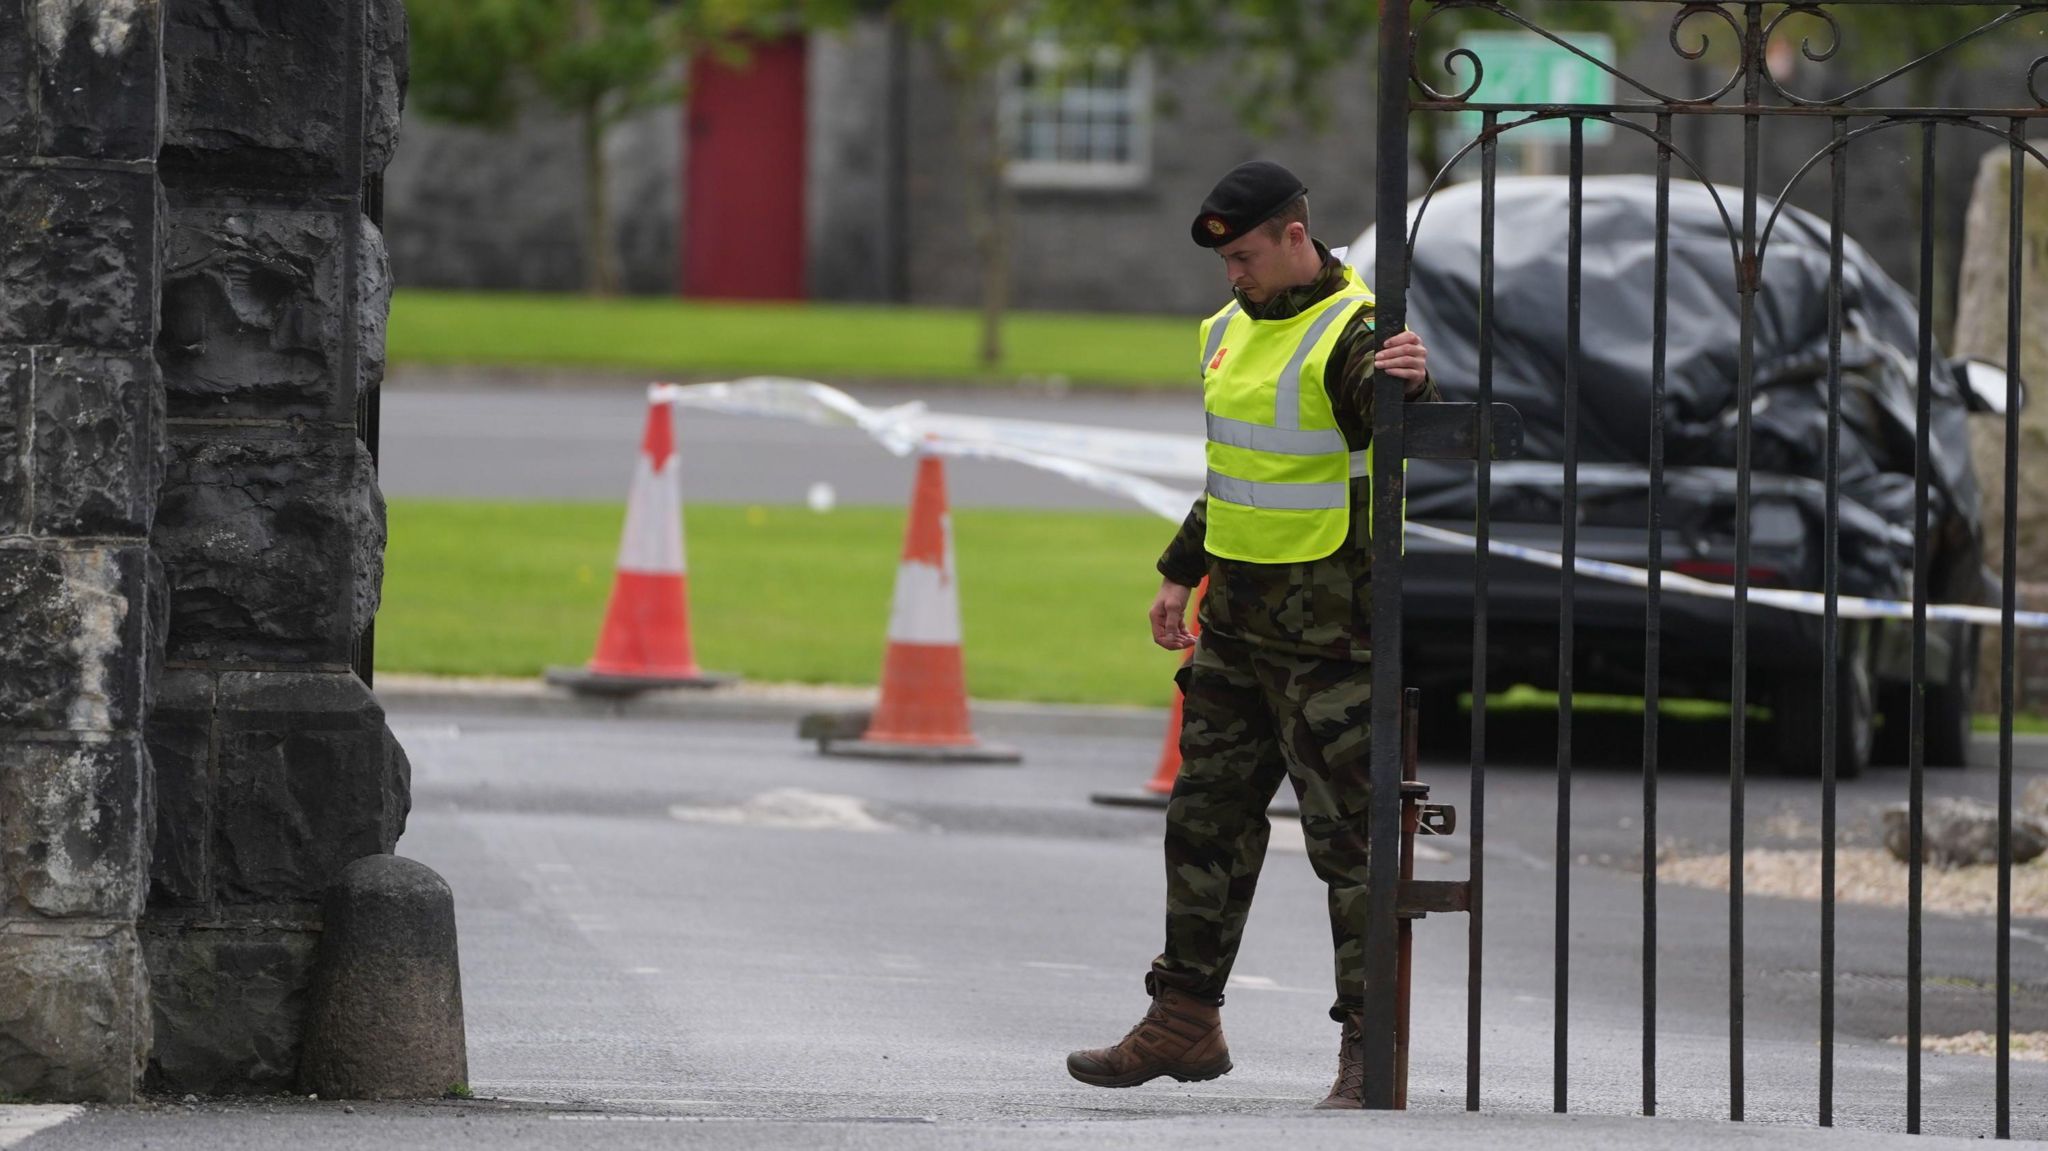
(1245, 198)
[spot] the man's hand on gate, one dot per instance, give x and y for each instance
(1404, 356)
(1170, 617)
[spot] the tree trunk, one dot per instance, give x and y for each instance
(995, 260)
(986, 200)
(600, 260)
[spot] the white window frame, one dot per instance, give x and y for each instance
(1082, 175)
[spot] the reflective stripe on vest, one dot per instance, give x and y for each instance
(1297, 497)
(1215, 341)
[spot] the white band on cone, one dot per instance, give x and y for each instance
(653, 540)
(926, 609)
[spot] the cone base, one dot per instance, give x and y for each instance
(1153, 800)
(921, 752)
(584, 681)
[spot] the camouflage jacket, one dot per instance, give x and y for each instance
(1321, 607)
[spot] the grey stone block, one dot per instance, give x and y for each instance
(17, 376)
(71, 840)
(386, 72)
(253, 315)
(180, 748)
(230, 1005)
(74, 1015)
(306, 783)
(17, 80)
(76, 637)
(101, 79)
(254, 91)
(274, 541)
(99, 447)
(78, 258)
(1957, 831)
(373, 307)
(386, 1021)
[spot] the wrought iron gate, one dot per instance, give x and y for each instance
(1756, 98)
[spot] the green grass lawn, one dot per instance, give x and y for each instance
(662, 336)
(1053, 604)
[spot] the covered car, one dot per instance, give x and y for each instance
(1698, 516)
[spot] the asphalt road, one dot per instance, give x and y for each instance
(466, 436)
(697, 930)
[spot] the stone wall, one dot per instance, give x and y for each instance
(275, 769)
(81, 601)
(475, 208)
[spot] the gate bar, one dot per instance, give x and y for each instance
(2008, 673)
(1567, 577)
(1388, 486)
(1653, 613)
(1923, 562)
(1738, 695)
(1482, 528)
(1830, 623)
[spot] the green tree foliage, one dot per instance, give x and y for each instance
(482, 62)
(1273, 57)
(972, 39)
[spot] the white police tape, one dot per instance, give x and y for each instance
(1805, 602)
(1108, 459)
(1099, 458)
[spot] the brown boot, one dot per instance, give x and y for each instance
(1348, 1092)
(1180, 1036)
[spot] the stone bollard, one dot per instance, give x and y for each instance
(386, 1020)
(1960, 832)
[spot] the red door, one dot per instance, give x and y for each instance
(743, 197)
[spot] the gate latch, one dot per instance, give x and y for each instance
(1438, 819)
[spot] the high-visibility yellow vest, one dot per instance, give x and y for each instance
(1280, 470)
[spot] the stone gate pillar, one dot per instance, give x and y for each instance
(1981, 332)
(81, 443)
(275, 766)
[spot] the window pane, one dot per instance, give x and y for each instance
(1073, 113)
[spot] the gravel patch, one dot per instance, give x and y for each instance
(1865, 876)
(2028, 1045)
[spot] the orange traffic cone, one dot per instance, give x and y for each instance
(1159, 789)
(645, 642)
(922, 714)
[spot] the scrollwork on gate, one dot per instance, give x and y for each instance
(1755, 25)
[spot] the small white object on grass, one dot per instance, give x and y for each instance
(822, 497)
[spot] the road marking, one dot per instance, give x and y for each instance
(1287, 837)
(19, 1121)
(406, 732)
(577, 1118)
(1262, 983)
(789, 809)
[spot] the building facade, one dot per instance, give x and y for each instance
(831, 168)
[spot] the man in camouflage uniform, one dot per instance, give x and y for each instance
(1280, 683)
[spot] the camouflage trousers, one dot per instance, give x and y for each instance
(1249, 718)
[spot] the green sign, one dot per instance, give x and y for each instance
(1524, 68)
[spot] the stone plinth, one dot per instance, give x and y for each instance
(278, 769)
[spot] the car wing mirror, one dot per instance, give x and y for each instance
(1984, 385)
